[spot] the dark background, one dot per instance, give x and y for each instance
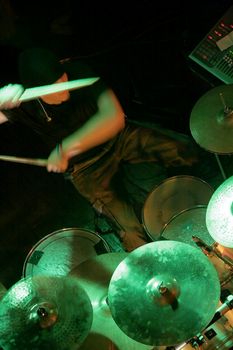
(141, 48)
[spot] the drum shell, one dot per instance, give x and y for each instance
(169, 198)
(59, 252)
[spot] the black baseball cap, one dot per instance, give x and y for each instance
(39, 66)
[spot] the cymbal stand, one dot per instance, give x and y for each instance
(208, 250)
(3, 290)
(220, 166)
(199, 339)
(225, 259)
(228, 113)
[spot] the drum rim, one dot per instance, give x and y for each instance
(158, 185)
(33, 248)
(199, 206)
(177, 176)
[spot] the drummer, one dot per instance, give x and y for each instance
(89, 136)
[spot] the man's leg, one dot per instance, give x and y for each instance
(94, 182)
(133, 145)
(124, 221)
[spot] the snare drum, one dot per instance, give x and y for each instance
(192, 222)
(170, 197)
(62, 251)
(189, 222)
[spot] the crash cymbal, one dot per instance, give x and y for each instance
(211, 121)
(94, 276)
(44, 312)
(219, 214)
(164, 293)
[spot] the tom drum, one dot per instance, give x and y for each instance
(170, 197)
(192, 222)
(62, 251)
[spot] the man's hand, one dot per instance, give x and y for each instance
(9, 96)
(57, 161)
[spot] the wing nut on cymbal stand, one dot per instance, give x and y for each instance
(45, 314)
(163, 290)
(226, 115)
(208, 250)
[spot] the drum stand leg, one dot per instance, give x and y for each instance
(220, 166)
(3, 290)
(197, 341)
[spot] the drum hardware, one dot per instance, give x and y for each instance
(100, 247)
(197, 341)
(223, 264)
(201, 244)
(45, 312)
(228, 261)
(220, 166)
(226, 306)
(212, 250)
(3, 290)
(145, 312)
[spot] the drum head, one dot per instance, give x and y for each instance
(61, 251)
(188, 223)
(169, 198)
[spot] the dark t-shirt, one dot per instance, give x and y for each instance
(55, 122)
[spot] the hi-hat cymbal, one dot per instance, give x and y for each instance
(44, 312)
(164, 293)
(211, 121)
(219, 214)
(94, 276)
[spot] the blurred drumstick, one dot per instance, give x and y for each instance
(38, 91)
(32, 161)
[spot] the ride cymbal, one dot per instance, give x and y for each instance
(211, 121)
(164, 293)
(44, 312)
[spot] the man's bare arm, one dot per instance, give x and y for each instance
(101, 127)
(3, 118)
(9, 98)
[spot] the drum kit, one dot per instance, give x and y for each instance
(175, 292)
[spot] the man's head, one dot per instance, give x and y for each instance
(40, 66)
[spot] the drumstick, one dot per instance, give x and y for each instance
(38, 162)
(38, 91)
